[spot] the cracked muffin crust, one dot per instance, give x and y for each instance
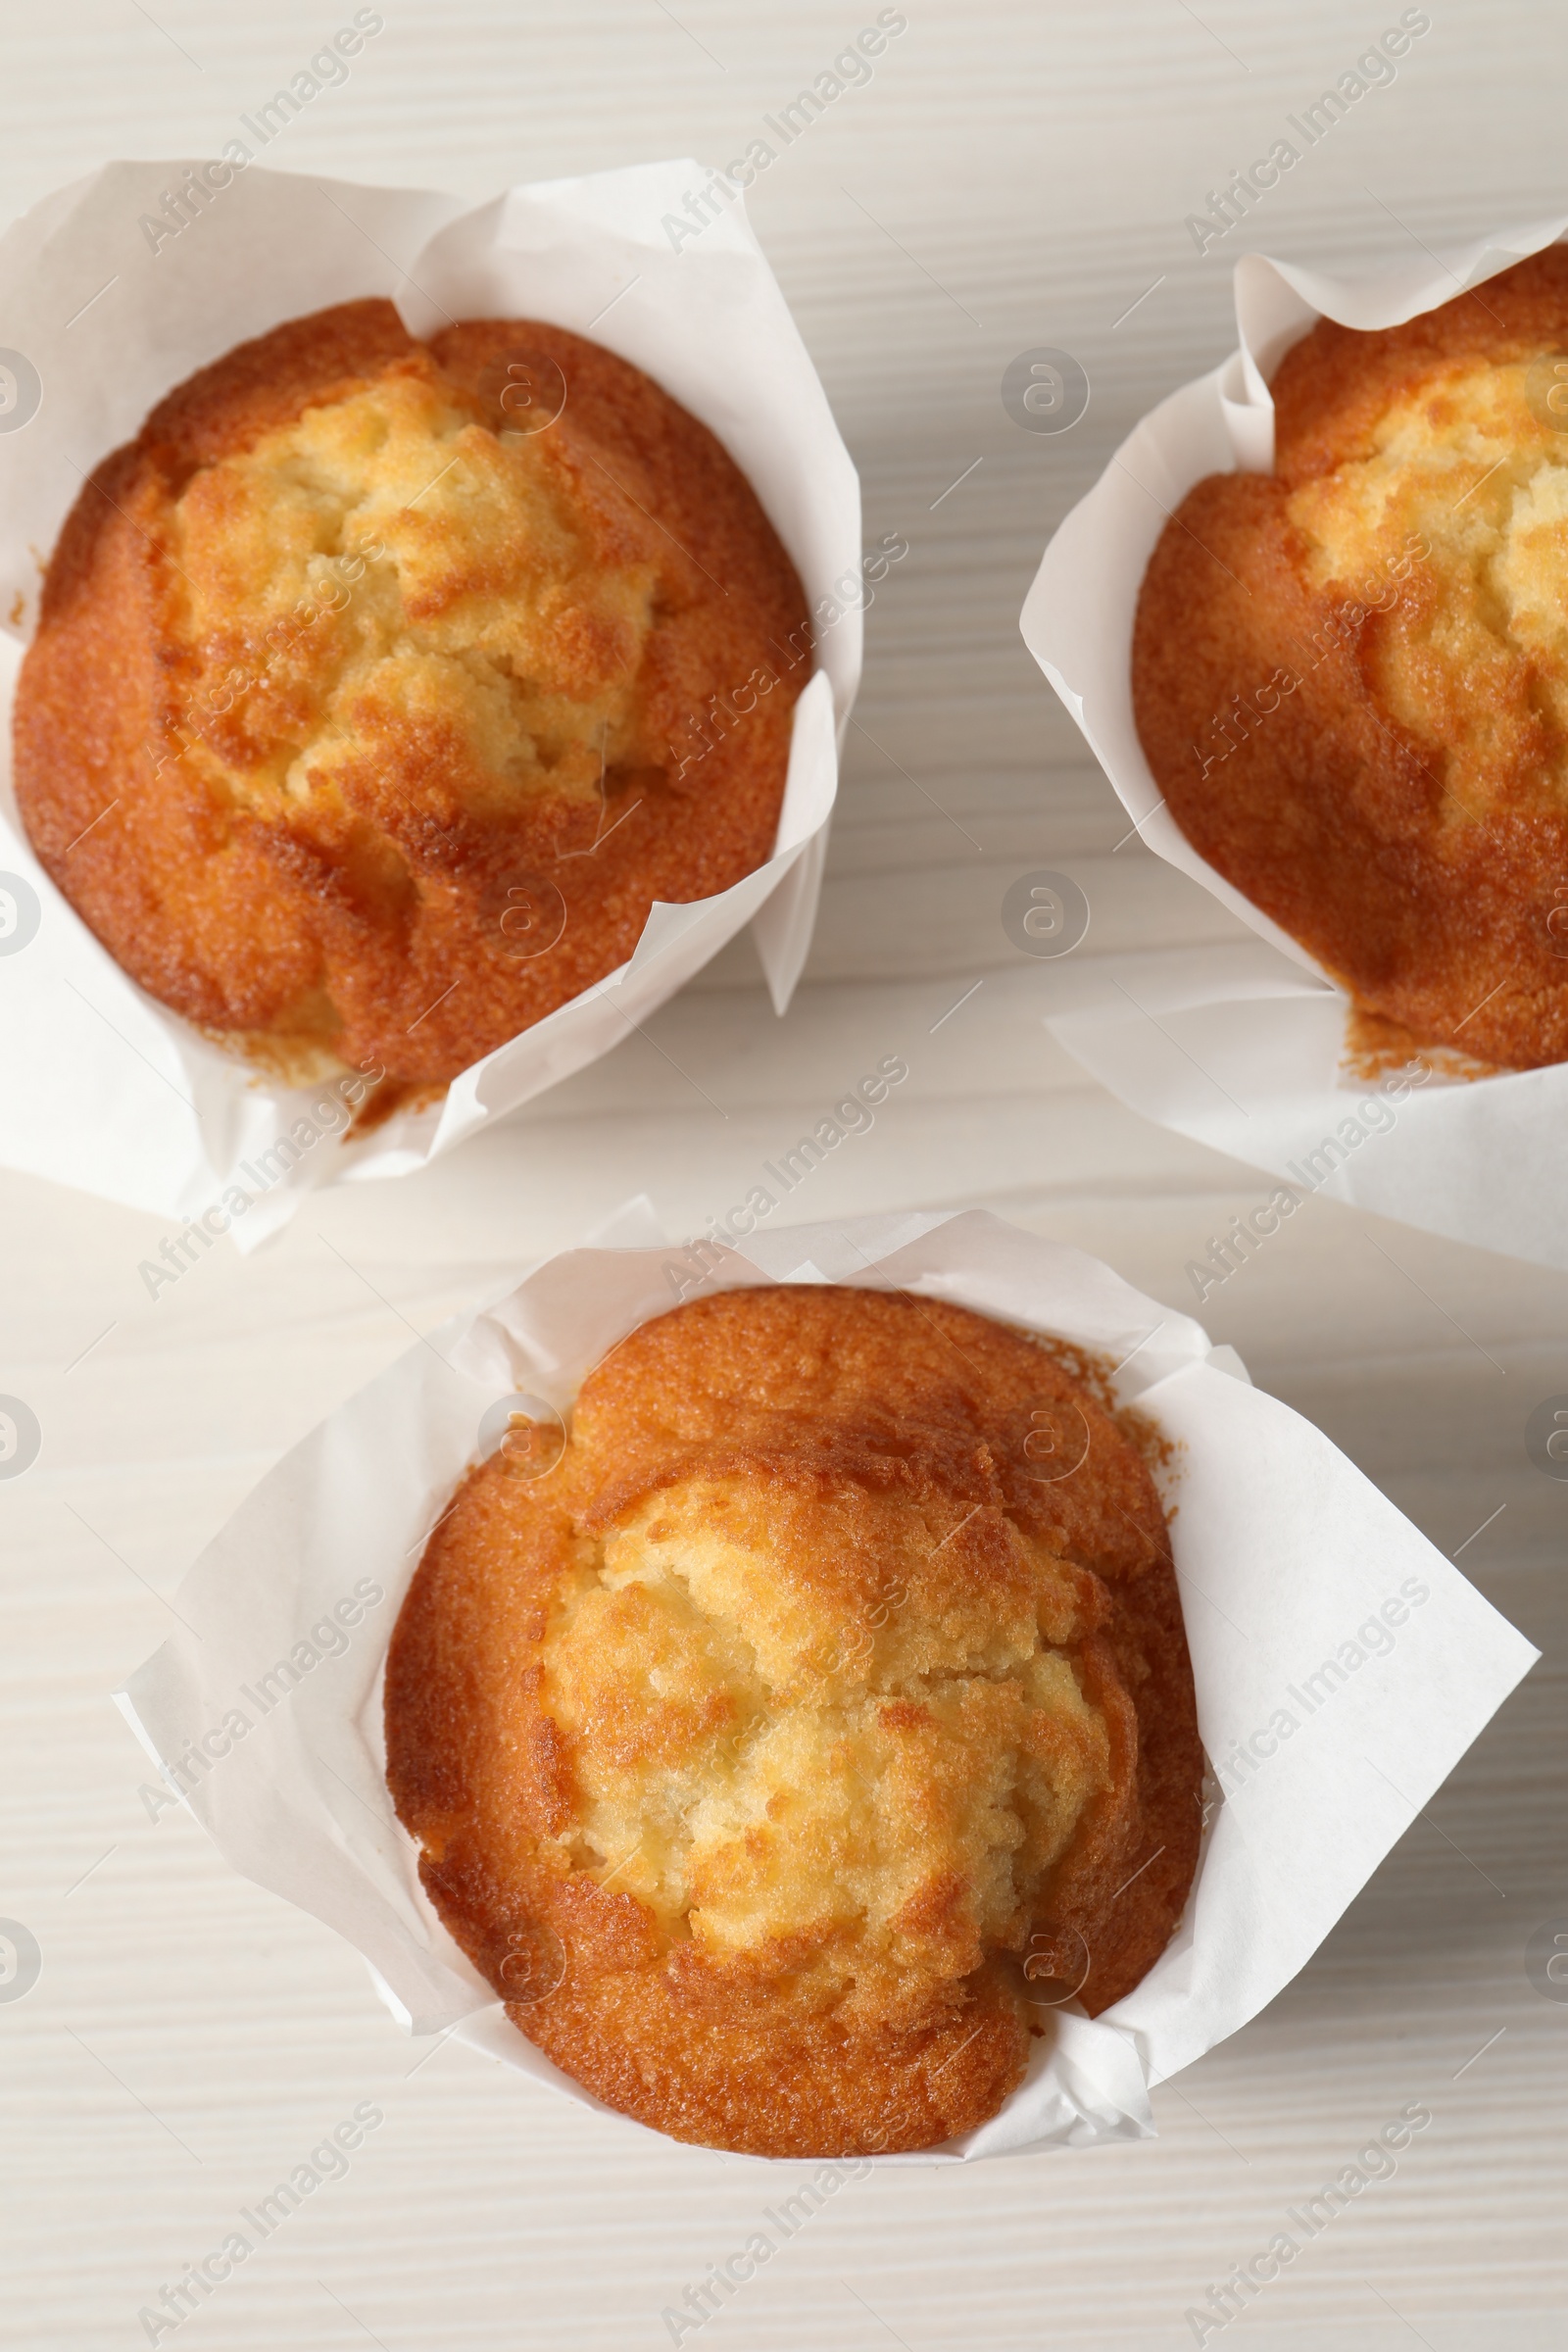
(366, 716)
(1351, 677)
(827, 1694)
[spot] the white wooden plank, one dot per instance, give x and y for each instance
(1037, 160)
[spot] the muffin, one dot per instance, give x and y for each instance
(381, 687)
(1351, 677)
(785, 1748)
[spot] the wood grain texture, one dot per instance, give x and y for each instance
(1015, 175)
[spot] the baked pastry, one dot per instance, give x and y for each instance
(821, 1715)
(1351, 677)
(380, 687)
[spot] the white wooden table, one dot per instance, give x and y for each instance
(1016, 173)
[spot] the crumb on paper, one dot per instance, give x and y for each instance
(1375, 1046)
(298, 1065)
(389, 1095)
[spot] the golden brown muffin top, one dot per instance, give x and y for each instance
(833, 1677)
(1351, 678)
(372, 702)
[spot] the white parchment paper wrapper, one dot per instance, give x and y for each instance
(100, 1086)
(1237, 1046)
(1284, 1553)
